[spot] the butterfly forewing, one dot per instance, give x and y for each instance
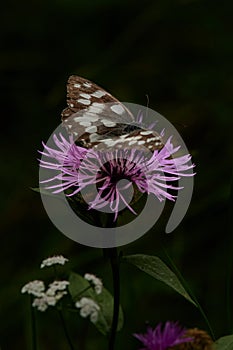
(98, 120)
(82, 94)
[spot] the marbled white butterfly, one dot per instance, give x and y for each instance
(94, 117)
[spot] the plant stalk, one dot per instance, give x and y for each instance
(63, 322)
(33, 325)
(113, 257)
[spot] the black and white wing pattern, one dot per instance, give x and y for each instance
(95, 118)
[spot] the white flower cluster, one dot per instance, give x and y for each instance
(58, 259)
(44, 299)
(57, 289)
(97, 283)
(56, 286)
(88, 307)
(35, 288)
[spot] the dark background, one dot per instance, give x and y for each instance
(180, 53)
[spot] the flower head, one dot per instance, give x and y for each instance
(40, 303)
(162, 338)
(58, 259)
(97, 283)
(45, 298)
(88, 307)
(56, 286)
(35, 288)
(79, 169)
(201, 341)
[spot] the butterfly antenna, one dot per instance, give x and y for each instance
(147, 104)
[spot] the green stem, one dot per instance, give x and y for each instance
(228, 294)
(65, 330)
(113, 256)
(33, 324)
(230, 262)
(186, 286)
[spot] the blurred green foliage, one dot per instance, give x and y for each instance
(178, 52)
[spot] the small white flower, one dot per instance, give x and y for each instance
(98, 285)
(59, 295)
(88, 307)
(46, 300)
(40, 303)
(56, 286)
(58, 259)
(35, 288)
(52, 300)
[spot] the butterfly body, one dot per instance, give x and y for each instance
(98, 120)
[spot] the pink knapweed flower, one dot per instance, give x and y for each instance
(78, 167)
(163, 338)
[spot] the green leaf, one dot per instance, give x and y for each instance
(156, 268)
(224, 343)
(105, 301)
(79, 287)
(37, 189)
(76, 202)
(46, 192)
